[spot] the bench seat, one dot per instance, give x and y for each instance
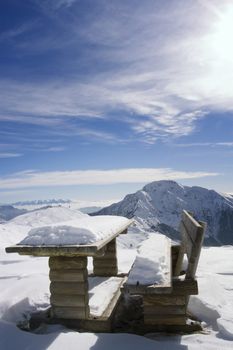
(152, 270)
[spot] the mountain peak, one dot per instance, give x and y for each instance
(159, 204)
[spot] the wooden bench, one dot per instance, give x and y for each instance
(165, 302)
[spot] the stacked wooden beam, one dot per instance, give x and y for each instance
(69, 287)
(106, 265)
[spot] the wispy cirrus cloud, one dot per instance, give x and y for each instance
(205, 144)
(28, 179)
(156, 72)
(10, 155)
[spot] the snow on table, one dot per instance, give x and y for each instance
(81, 231)
(152, 265)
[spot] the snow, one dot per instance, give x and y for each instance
(84, 230)
(151, 265)
(24, 287)
(101, 292)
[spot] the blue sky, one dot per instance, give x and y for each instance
(100, 97)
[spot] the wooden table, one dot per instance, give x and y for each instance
(69, 275)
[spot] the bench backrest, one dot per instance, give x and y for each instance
(192, 235)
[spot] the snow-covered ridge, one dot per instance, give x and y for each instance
(159, 204)
(46, 216)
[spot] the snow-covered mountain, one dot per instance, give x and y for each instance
(8, 212)
(159, 204)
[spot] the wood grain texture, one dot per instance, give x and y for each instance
(163, 300)
(68, 300)
(67, 263)
(68, 275)
(70, 288)
(165, 320)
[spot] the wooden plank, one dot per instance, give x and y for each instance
(185, 287)
(67, 250)
(71, 288)
(105, 271)
(179, 262)
(67, 263)
(68, 300)
(147, 290)
(68, 275)
(70, 312)
(164, 310)
(191, 225)
(187, 244)
(163, 300)
(192, 267)
(108, 262)
(111, 246)
(165, 320)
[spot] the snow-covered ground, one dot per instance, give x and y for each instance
(24, 287)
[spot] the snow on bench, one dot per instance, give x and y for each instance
(152, 266)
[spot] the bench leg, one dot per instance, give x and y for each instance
(69, 287)
(106, 265)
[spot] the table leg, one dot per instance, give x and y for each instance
(69, 287)
(106, 265)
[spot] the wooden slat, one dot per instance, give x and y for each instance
(63, 262)
(191, 225)
(187, 243)
(185, 287)
(149, 300)
(148, 290)
(158, 311)
(166, 320)
(179, 262)
(68, 275)
(108, 262)
(71, 288)
(192, 267)
(105, 271)
(68, 300)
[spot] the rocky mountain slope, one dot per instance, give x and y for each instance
(159, 204)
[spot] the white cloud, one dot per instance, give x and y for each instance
(10, 155)
(205, 144)
(31, 178)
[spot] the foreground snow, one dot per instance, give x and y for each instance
(24, 287)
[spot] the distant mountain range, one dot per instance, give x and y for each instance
(42, 202)
(159, 204)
